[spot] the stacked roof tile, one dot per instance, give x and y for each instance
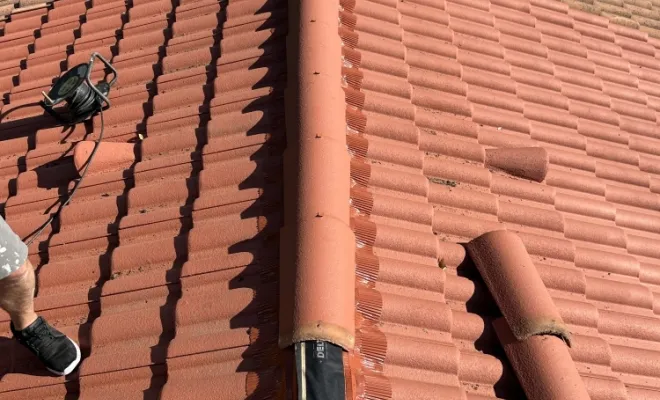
(164, 264)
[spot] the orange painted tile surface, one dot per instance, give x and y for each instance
(165, 268)
(431, 86)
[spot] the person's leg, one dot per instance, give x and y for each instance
(17, 296)
(16, 278)
(59, 354)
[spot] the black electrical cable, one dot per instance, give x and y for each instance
(82, 100)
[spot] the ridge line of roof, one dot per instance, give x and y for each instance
(318, 245)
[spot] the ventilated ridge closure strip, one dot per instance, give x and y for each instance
(366, 361)
(320, 370)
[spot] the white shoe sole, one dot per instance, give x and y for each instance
(71, 366)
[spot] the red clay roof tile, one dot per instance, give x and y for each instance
(589, 227)
(439, 100)
(126, 247)
(543, 366)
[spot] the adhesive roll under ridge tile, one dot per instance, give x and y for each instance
(317, 287)
(516, 286)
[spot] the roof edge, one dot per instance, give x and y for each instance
(317, 271)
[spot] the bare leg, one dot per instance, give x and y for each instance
(17, 296)
(59, 353)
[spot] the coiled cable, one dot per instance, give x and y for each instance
(84, 99)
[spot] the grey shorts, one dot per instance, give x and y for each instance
(13, 252)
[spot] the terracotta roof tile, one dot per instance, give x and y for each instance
(530, 117)
(574, 88)
(126, 268)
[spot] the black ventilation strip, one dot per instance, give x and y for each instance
(320, 371)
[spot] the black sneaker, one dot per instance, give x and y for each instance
(59, 354)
